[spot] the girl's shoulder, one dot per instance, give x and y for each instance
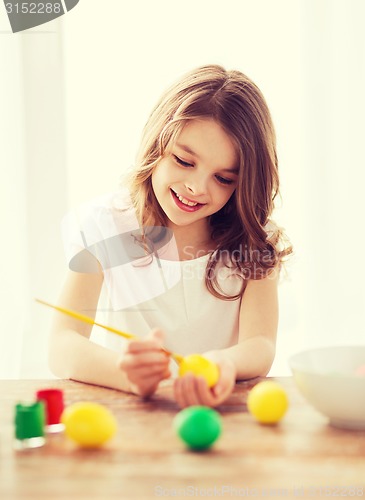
(105, 212)
(97, 220)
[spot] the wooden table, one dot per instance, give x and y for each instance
(302, 457)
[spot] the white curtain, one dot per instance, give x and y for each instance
(323, 302)
(34, 193)
(14, 285)
(76, 92)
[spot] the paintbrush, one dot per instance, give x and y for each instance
(90, 321)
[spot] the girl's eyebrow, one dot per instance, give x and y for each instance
(191, 152)
(234, 170)
(187, 149)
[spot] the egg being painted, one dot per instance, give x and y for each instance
(198, 365)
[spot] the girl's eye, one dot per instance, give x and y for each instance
(223, 180)
(181, 162)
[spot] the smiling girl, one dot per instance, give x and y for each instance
(201, 196)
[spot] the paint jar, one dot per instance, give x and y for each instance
(29, 425)
(54, 406)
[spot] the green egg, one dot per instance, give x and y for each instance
(198, 426)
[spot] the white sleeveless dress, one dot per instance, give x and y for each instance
(140, 294)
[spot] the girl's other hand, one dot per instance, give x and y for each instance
(191, 390)
(144, 364)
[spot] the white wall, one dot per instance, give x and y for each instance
(119, 59)
(132, 51)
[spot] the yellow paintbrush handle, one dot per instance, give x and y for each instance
(90, 321)
(86, 319)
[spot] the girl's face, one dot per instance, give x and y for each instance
(198, 175)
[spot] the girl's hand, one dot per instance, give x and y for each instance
(191, 390)
(144, 364)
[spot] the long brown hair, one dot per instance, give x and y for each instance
(239, 229)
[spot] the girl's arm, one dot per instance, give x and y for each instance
(71, 354)
(138, 368)
(251, 357)
(258, 322)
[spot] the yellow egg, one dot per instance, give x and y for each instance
(267, 402)
(198, 365)
(89, 424)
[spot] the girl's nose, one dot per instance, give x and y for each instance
(196, 187)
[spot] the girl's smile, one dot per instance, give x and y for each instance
(185, 203)
(197, 175)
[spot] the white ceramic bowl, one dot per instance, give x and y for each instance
(328, 378)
